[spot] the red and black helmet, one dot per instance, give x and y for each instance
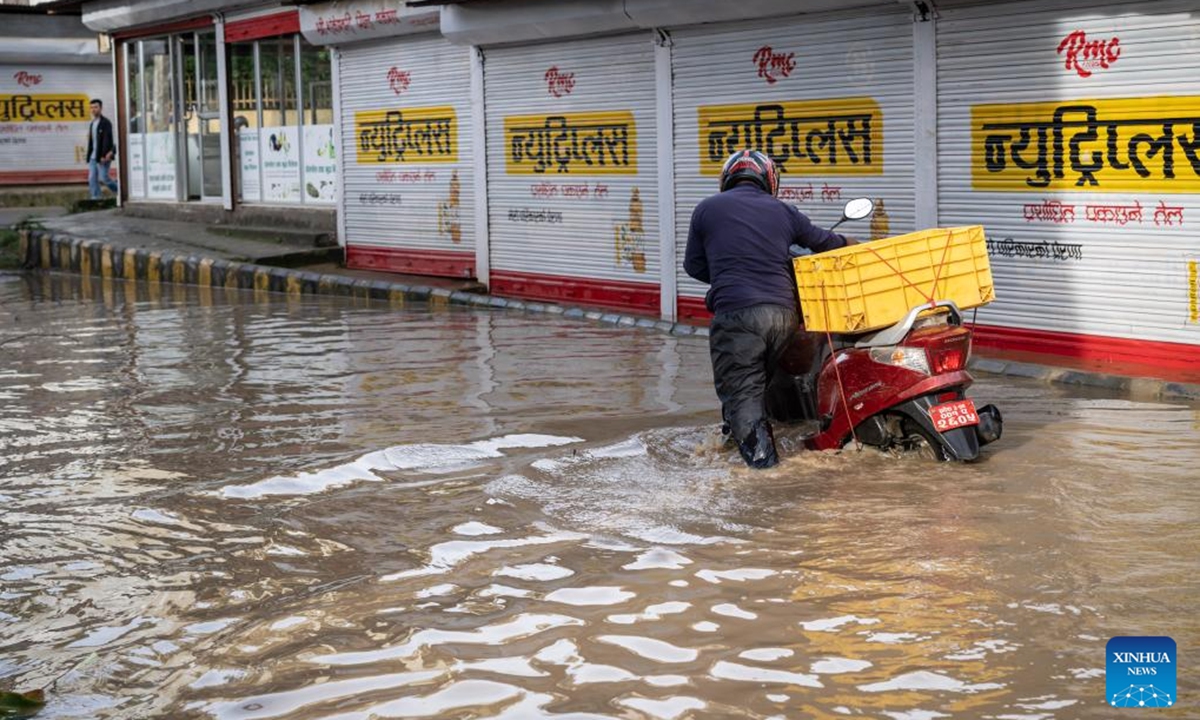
(750, 165)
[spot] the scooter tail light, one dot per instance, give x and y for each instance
(948, 359)
(910, 358)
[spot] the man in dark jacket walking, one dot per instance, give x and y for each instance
(738, 244)
(100, 151)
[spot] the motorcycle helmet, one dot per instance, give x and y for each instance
(750, 165)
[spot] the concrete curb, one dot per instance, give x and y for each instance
(56, 251)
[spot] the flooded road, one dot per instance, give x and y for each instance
(218, 507)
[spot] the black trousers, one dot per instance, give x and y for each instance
(745, 346)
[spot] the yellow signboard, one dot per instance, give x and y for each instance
(1147, 144)
(584, 143)
(409, 135)
(43, 108)
(841, 136)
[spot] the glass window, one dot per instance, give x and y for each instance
(243, 94)
(160, 119)
(279, 138)
(319, 148)
(135, 158)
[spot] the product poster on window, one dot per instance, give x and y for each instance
(280, 164)
(137, 165)
(248, 164)
(320, 164)
(160, 165)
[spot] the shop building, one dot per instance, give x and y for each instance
(51, 67)
(220, 104)
(555, 149)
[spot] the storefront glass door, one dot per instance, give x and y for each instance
(200, 131)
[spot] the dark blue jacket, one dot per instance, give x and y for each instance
(738, 243)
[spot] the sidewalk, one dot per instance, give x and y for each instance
(108, 244)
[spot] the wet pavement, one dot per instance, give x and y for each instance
(217, 507)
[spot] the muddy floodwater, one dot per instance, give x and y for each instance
(227, 506)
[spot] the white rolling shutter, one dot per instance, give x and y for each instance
(1094, 235)
(572, 184)
(406, 146)
(828, 76)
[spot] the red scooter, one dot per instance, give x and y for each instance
(900, 388)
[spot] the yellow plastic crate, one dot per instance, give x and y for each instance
(871, 286)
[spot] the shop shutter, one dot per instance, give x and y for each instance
(572, 185)
(1093, 251)
(406, 145)
(732, 83)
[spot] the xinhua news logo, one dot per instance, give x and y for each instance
(1140, 672)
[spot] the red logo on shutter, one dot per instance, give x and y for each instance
(399, 80)
(774, 65)
(1085, 56)
(559, 83)
(26, 79)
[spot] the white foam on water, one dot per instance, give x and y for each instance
(517, 667)
(666, 680)
(733, 611)
(562, 652)
(451, 699)
(285, 551)
(157, 517)
(444, 557)
(665, 535)
(474, 528)
(497, 590)
(589, 673)
(105, 635)
(1047, 704)
(658, 559)
(656, 650)
(766, 654)
(216, 678)
(838, 665)
(522, 626)
(631, 447)
(23, 573)
(437, 591)
(653, 612)
(666, 709)
(725, 670)
(832, 624)
(209, 627)
(917, 714)
(925, 680)
(894, 638)
(288, 622)
(740, 575)
(524, 441)
(777, 697)
(596, 595)
(705, 626)
(426, 457)
(540, 572)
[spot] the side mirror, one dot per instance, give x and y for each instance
(858, 208)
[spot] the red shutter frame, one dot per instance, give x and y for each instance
(263, 26)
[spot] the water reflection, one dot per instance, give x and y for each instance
(232, 506)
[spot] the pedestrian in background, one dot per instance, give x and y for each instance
(101, 150)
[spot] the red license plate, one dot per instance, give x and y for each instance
(951, 415)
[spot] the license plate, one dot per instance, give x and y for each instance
(951, 415)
